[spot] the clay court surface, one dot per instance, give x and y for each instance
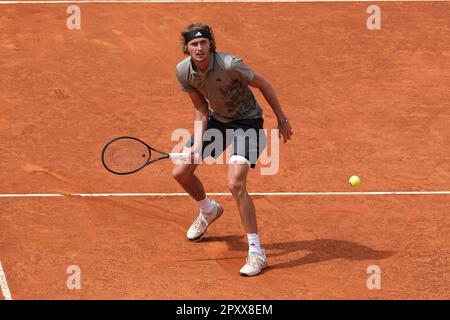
(369, 102)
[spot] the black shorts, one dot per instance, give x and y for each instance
(247, 137)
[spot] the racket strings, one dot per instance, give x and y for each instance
(126, 155)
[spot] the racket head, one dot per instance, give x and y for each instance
(126, 155)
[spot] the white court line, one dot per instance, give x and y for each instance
(29, 195)
(204, 1)
(264, 194)
(179, 194)
(4, 284)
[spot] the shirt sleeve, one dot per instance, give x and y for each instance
(241, 70)
(183, 80)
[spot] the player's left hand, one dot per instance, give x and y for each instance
(285, 130)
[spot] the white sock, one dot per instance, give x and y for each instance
(205, 205)
(253, 243)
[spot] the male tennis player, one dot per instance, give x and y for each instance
(218, 85)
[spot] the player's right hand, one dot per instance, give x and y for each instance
(194, 152)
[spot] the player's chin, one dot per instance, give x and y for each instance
(200, 58)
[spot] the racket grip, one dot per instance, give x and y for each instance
(180, 155)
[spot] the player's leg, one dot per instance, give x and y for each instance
(248, 143)
(209, 209)
(183, 173)
(245, 151)
(237, 180)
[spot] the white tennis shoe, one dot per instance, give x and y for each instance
(201, 223)
(255, 263)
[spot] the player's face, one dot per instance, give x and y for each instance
(199, 49)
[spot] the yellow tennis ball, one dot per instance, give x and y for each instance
(355, 181)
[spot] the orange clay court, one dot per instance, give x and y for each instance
(373, 103)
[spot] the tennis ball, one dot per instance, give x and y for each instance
(355, 181)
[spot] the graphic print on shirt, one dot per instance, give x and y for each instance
(236, 97)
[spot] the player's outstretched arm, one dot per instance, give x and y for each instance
(269, 94)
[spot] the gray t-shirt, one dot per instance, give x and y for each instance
(224, 85)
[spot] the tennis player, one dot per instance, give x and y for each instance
(218, 85)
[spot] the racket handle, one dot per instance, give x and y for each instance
(179, 155)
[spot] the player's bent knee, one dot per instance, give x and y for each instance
(178, 174)
(236, 187)
(182, 173)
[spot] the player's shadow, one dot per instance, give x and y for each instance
(317, 250)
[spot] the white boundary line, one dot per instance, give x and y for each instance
(4, 284)
(203, 1)
(30, 195)
(176, 194)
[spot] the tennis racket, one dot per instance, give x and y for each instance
(126, 155)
